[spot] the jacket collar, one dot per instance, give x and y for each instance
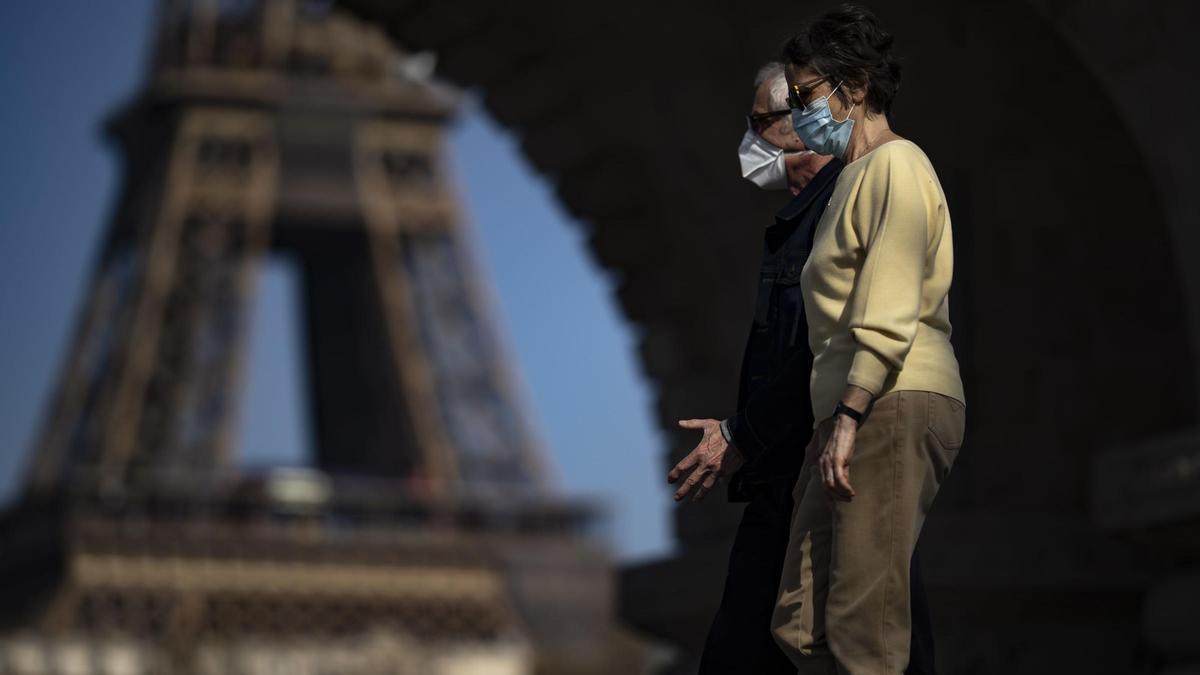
(816, 187)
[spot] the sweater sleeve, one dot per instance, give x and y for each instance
(891, 218)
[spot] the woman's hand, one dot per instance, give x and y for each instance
(834, 462)
(835, 458)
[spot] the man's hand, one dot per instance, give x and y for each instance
(801, 167)
(834, 462)
(711, 460)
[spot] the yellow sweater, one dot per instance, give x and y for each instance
(876, 285)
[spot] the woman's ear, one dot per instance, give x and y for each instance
(850, 96)
(858, 95)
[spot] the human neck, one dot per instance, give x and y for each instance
(869, 132)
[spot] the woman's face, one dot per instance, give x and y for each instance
(805, 85)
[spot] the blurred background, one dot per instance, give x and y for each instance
(349, 337)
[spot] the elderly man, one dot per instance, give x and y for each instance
(761, 447)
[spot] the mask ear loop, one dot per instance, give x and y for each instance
(826, 96)
(806, 106)
(851, 105)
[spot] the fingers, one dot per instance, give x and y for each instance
(835, 467)
(836, 479)
(707, 484)
(826, 462)
(684, 464)
(692, 458)
(704, 461)
(703, 479)
(833, 462)
(827, 471)
(841, 476)
(691, 482)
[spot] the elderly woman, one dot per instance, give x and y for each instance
(886, 393)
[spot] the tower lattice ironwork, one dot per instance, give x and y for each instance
(426, 537)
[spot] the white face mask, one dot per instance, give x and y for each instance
(763, 164)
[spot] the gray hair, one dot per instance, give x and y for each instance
(773, 73)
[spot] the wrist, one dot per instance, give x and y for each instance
(856, 397)
(844, 423)
(725, 432)
(847, 414)
(740, 436)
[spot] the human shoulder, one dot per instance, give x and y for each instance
(897, 162)
(900, 149)
(896, 183)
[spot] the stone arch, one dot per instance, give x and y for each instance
(1074, 321)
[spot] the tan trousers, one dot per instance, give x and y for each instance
(843, 604)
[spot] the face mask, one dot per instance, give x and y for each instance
(762, 163)
(821, 133)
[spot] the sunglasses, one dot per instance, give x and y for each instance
(799, 93)
(760, 121)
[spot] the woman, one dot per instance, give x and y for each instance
(886, 390)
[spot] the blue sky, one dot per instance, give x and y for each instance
(64, 65)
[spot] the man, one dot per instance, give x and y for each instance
(761, 447)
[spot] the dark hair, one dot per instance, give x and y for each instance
(848, 45)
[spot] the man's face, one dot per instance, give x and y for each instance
(778, 131)
(775, 129)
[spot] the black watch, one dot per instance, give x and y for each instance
(843, 409)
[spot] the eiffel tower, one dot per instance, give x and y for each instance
(427, 537)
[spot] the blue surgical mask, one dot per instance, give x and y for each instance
(814, 124)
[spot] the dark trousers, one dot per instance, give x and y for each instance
(740, 639)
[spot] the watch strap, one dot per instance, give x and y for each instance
(843, 409)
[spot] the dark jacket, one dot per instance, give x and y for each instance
(774, 419)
